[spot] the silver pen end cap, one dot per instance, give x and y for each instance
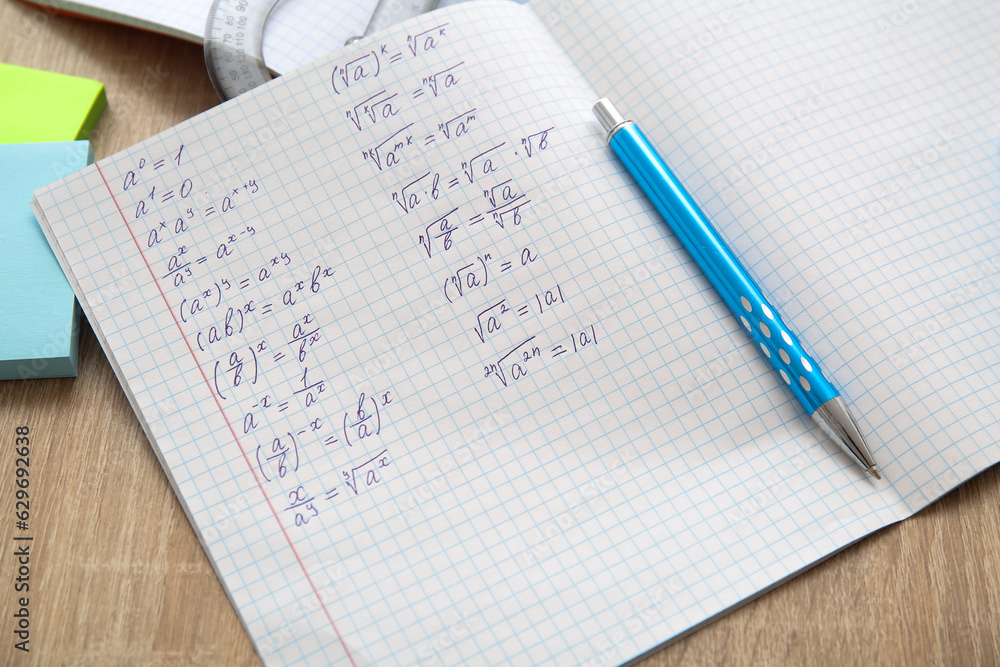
(838, 423)
(609, 116)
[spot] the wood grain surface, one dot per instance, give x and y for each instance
(118, 578)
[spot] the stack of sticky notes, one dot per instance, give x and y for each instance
(44, 106)
(41, 116)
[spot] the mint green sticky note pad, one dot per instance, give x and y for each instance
(39, 316)
(45, 106)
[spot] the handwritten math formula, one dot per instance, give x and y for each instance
(245, 313)
(268, 320)
(468, 207)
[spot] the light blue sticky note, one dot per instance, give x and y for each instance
(39, 316)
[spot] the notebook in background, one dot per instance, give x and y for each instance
(434, 386)
(296, 33)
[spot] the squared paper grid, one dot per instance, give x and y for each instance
(886, 93)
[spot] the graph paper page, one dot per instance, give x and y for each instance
(430, 381)
(849, 153)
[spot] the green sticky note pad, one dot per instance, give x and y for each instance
(39, 314)
(44, 106)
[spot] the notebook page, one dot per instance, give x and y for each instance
(849, 153)
(414, 358)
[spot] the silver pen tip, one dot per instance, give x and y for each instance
(837, 422)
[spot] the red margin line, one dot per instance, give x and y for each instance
(288, 539)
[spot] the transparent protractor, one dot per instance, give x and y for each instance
(234, 45)
(234, 39)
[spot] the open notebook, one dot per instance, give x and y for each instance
(435, 386)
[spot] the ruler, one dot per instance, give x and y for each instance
(234, 39)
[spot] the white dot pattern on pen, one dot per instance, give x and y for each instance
(766, 331)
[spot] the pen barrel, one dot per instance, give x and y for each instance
(760, 320)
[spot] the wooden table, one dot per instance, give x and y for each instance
(117, 576)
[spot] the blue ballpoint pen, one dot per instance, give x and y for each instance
(802, 375)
